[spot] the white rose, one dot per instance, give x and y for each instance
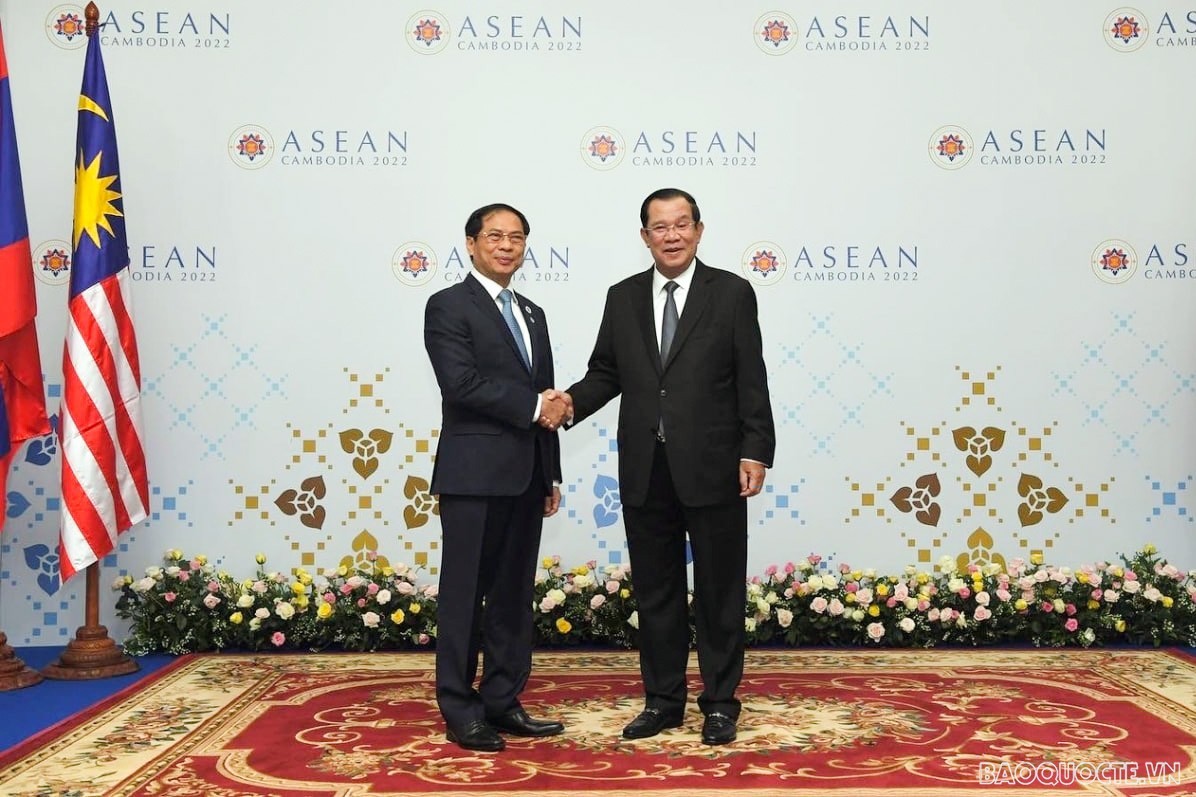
(211, 601)
(558, 597)
(876, 630)
(383, 597)
(634, 619)
(857, 615)
(245, 601)
(784, 617)
(262, 613)
(906, 624)
(749, 624)
(285, 610)
(144, 585)
(597, 601)
(371, 619)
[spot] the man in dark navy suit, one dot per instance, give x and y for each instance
(681, 344)
(497, 472)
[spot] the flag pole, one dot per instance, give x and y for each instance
(92, 653)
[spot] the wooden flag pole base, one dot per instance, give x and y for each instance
(92, 653)
(13, 672)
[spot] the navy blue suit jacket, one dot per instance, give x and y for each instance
(489, 439)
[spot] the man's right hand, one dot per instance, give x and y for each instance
(555, 408)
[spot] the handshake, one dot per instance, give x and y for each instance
(556, 408)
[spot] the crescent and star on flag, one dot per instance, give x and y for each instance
(94, 199)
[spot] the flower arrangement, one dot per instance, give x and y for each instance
(367, 604)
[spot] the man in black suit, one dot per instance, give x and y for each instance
(497, 472)
(681, 343)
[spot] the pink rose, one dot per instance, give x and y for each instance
(278, 639)
(819, 604)
(169, 597)
(372, 589)
(876, 630)
(982, 613)
(1072, 624)
(213, 586)
(1070, 609)
(771, 570)
(184, 576)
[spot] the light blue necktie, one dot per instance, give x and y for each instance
(508, 315)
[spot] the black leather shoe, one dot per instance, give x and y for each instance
(650, 722)
(477, 735)
(518, 723)
(718, 729)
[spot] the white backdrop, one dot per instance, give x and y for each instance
(969, 228)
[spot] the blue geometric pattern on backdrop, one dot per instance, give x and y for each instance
(838, 384)
(593, 501)
(212, 404)
(1169, 505)
(1122, 376)
(172, 506)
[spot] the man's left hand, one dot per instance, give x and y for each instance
(751, 478)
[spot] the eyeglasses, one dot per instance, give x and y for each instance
(681, 228)
(494, 237)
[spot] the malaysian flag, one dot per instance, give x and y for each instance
(105, 490)
(22, 399)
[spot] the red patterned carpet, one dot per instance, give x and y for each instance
(815, 722)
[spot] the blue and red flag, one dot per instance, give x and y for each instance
(105, 489)
(22, 397)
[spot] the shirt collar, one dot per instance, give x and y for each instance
(683, 279)
(492, 287)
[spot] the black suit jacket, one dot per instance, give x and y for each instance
(712, 392)
(488, 438)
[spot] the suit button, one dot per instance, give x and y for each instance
(664, 393)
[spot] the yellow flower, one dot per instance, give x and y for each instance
(1167, 601)
(849, 598)
(874, 610)
(325, 611)
(547, 562)
(1117, 571)
(299, 588)
(235, 618)
(388, 571)
(413, 608)
(1082, 577)
(247, 585)
(581, 570)
(1149, 549)
(923, 578)
(1119, 625)
(1020, 604)
(1092, 604)
(624, 593)
(301, 602)
(342, 571)
(882, 590)
(563, 625)
(203, 560)
(1036, 558)
(260, 558)
(397, 617)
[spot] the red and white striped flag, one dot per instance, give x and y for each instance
(105, 490)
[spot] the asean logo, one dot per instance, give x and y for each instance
(52, 262)
(764, 263)
(427, 32)
(603, 148)
(65, 27)
(775, 33)
(951, 147)
(1126, 30)
(251, 147)
(414, 264)
(1114, 261)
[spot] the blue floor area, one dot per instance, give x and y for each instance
(25, 712)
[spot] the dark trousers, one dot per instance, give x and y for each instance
(656, 533)
(487, 573)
